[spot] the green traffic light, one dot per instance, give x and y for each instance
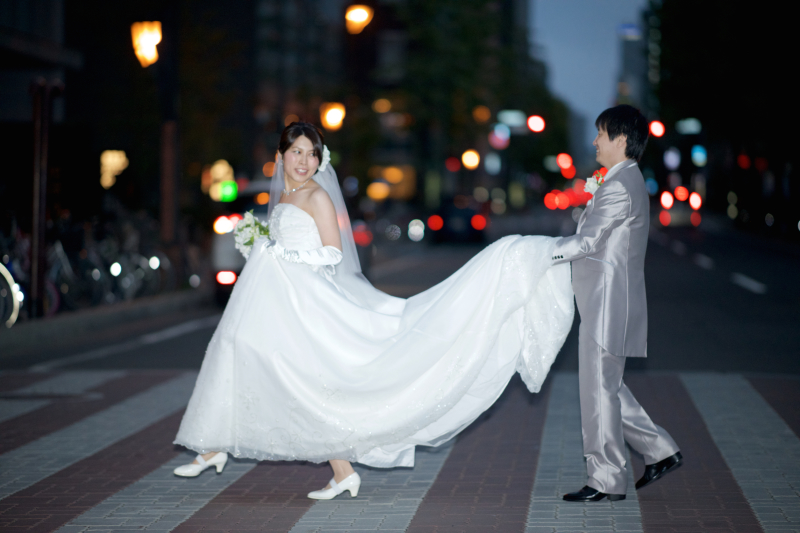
(228, 191)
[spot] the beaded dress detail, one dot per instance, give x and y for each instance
(307, 367)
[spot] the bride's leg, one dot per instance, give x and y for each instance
(341, 469)
(206, 457)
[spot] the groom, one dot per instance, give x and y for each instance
(607, 255)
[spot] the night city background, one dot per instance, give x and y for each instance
(135, 134)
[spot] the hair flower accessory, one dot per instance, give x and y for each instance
(594, 183)
(326, 158)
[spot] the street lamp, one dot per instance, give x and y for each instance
(357, 17)
(146, 35)
(331, 115)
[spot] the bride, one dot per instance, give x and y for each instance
(310, 362)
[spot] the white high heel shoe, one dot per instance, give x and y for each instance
(351, 483)
(193, 470)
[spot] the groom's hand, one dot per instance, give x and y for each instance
(611, 208)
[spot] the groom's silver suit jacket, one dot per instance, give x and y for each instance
(607, 254)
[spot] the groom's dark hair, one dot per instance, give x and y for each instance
(628, 121)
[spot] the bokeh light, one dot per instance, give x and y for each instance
(667, 200)
(681, 193)
(112, 163)
(393, 174)
(452, 164)
(435, 222)
(378, 191)
(657, 128)
(695, 201)
(146, 35)
(550, 201)
(268, 169)
(652, 186)
(226, 277)
(695, 219)
(361, 233)
(568, 173)
(381, 105)
(743, 161)
(262, 198)
(392, 232)
(481, 194)
(492, 164)
(416, 230)
(471, 159)
(478, 222)
(562, 200)
(357, 17)
(672, 158)
(481, 114)
(536, 123)
(332, 115)
(665, 218)
(223, 225)
(699, 155)
(564, 161)
(500, 137)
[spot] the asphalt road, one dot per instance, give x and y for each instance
(718, 300)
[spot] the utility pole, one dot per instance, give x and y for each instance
(43, 93)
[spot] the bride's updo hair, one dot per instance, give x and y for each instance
(300, 129)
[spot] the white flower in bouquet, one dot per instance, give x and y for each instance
(247, 232)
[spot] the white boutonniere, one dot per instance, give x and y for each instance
(247, 232)
(326, 158)
(594, 183)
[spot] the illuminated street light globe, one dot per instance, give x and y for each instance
(332, 115)
(357, 17)
(145, 36)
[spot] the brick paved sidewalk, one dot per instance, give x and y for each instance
(91, 451)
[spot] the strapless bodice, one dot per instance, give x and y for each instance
(293, 228)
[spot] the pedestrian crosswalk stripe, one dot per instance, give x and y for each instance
(762, 452)
(23, 400)
(160, 500)
(32, 462)
(561, 469)
(389, 496)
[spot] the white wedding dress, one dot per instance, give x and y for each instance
(306, 367)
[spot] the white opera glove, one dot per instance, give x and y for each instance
(322, 259)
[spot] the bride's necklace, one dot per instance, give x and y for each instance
(296, 189)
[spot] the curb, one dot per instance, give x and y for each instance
(68, 326)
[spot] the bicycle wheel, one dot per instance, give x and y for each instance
(9, 304)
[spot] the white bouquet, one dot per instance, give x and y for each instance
(247, 232)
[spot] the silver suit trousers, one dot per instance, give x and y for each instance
(610, 417)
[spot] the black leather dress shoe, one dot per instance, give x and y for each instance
(660, 469)
(588, 494)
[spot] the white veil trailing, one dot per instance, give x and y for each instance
(327, 180)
